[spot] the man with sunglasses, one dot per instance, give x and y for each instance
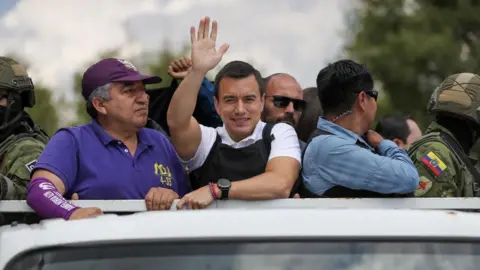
(343, 157)
(283, 99)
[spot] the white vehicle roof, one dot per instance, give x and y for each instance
(231, 224)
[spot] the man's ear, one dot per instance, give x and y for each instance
(99, 105)
(362, 99)
(215, 102)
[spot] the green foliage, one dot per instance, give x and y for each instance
(160, 61)
(44, 112)
(411, 46)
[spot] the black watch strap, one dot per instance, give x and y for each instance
(224, 185)
(224, 195)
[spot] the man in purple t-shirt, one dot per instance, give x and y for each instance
(114, 156)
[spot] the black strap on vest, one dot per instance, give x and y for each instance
(268, 137)
(466, 160)
(299, 186)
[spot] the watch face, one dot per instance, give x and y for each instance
(223, 183)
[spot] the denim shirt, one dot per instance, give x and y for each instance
(346, 159)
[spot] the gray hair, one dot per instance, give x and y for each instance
(102, 92)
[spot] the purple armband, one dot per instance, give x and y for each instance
(44, 198)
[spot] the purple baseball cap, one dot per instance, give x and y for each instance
(112, 70)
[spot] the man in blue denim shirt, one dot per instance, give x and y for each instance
(343, 157)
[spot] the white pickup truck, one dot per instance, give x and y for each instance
(292, 234)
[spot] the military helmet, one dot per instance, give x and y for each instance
(458, 94)
(14, 77)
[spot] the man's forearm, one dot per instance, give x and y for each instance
(266, 186)
(184, 99)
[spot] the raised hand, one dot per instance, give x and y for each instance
(204, 54)
(178, 69)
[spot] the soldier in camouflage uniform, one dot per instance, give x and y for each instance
(21, 141)
(441, 155)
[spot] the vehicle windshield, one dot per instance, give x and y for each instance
(256, 255)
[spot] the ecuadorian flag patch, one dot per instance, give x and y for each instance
(434, 163)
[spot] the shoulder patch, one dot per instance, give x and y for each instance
(424, 185)
(434, 163)
(30, 165)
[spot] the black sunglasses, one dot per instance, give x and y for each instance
(370, 93)
(282, 102)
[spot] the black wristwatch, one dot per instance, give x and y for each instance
(224, 185)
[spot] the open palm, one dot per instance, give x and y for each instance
(204, 54)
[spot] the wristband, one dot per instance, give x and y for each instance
(44, 198)
(212, 190)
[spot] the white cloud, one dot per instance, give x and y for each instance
(60, 37)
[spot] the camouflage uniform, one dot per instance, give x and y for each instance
(21, 141)
(442, 165)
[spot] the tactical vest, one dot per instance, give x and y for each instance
(472, 176)
(337, 191)
(234, 164)
(29, 132)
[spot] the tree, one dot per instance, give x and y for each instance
(44, 112)
(161, 60)
(412, 45)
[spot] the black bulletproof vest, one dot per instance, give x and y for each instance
(337, 191)
(234, 164)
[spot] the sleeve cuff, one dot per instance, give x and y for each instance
(385, 145)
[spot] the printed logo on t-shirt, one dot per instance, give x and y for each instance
(30, 165)
(164, 173)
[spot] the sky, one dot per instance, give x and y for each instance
(58, 38)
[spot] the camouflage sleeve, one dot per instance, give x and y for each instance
(17, 164)
(439, 171)
(15, 189)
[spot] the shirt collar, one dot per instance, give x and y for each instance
(340, 131)
(223, 133)
(145, 138)
(106, 139)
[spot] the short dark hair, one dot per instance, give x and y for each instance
(308, 121)
(394, 127)
(337, 82)
(238, 70)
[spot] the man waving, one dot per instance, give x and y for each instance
(244, 159)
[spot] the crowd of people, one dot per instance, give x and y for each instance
(241, 137)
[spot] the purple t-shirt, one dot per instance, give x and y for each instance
(97, 167)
